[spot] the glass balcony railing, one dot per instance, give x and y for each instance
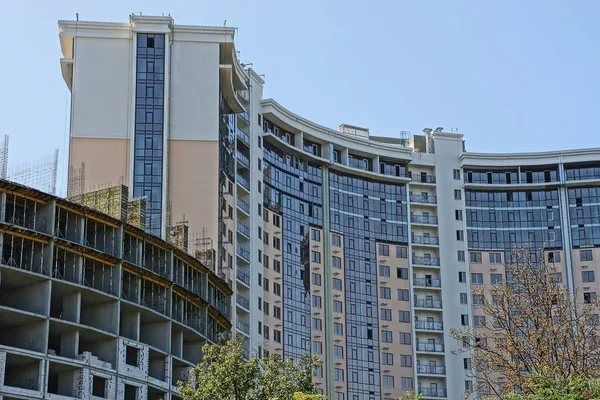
(243, 94)
(431, 347)
(419, 198)
(242, 301)
(431, 369)
(243, 253)
(242, 326)
(433, 392)
(427, 303)
(427, 282)
(243, 136)
(243, 159)
(421, 260)
(423, 219)
(421, 239)
(242, 276)
(243, 229)
(423, 178)
(429, 325)
(243, 205)
(243, 182)
(245, 117)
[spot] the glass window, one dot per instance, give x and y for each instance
(589, 297)
(403, 294)
(336, 262)
(407, 383)
(462, 277)
(384, 250)
(387, 358)
(588, 276)
(401, 273)
(477, 279)
(495, 258)
(405, 360)
(496, 279)
(315, 235)
(388, 381)
(339, 374)
(585, 255)
(457, 194)
(386, 314)
(336, 240)
(338, 352)
(401, 252)
(475, 257)
(315, 257)
(337, 284)
(479, 321)
(337, 306)
(316, 279)
(317, 324)
(463, 298)
(386, 336)
(456, 174)
(338, 329)
(404, 316)
(405, 338)
(384, 271)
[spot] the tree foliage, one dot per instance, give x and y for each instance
(547, 387)
(225, 374)
(533, 326)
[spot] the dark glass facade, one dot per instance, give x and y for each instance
(503, 220)
(293, 188)
(365, 212)
(584, 215)
(149, 134)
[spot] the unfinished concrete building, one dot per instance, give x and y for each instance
(93, 308)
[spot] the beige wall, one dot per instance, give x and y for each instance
(395, 348)
(106, 160)
(580, 266)
(193, 184)
(102, 88)
(269, 296)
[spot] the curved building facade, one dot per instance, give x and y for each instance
(357, 248)
(91, 307)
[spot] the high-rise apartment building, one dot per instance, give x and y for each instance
(357, 248)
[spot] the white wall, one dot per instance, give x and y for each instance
(447, 153)
(101, 87)
(194, 91)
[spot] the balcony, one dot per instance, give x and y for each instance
(242, 159)
(243, 253)
(431, 370)
(243, 205)
(423, 219)
(433, 392)
(243, 136)
(422, 178)
(242, 301)
(243, 229)
(243, 182)
(427, 282)
(428, 303)
(244, 115)
(242, 327)
(430, 347)
(429, 325)
(243, 94)
(419, 198)
(242, 276)
(420, 260)
(426, 240)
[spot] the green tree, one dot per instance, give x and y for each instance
(225, 374)
(410, 396)
(547, 387)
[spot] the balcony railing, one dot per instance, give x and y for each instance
(423, 178)
(243, 94)
(420, 260)
(242, 301)
(245, 254)
(420, 239)
(242, 276)
(243, 159)
(423, 219)
(245, 117)
(433, 392)
(243, 136)
(242, 326)
(431, 370)
(418, 198)
(429, 325)
(427, 282)
(243, 229)
(358, 163)
(242, 181)
(425, 303)
(243, 205)
(431, 347)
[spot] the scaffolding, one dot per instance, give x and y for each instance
(202, 249)
(39, 174)
(4, 158)
(111, 201)
(136, 212)
(76, 183)
(177, 235)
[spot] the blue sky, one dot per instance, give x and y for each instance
(511, 75)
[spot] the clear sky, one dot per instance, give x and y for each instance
(511, 75)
